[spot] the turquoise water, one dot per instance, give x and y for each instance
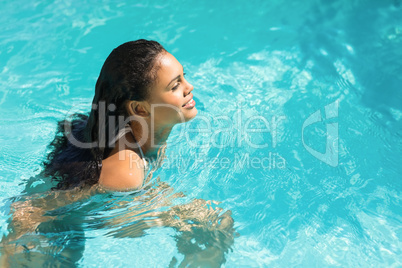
(302, 191)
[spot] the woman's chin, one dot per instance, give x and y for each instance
(191, 114)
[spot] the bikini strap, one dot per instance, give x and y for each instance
(139, 147)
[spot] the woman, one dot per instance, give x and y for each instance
(141, 93)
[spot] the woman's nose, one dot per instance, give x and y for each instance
(189, 88)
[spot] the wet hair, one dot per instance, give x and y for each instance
(127, 74)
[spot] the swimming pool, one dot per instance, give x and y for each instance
(298, 132)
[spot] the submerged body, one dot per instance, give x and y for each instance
(49, 228)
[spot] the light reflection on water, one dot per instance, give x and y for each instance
(278, 60)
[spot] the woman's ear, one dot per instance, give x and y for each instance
(138, 108)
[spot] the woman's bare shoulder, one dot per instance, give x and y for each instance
(122, 171)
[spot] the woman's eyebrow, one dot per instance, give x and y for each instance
(177, 77)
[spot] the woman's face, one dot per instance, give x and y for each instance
(171, 98)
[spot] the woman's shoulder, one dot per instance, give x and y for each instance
(122, 171)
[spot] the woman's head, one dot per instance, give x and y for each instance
(139, 78)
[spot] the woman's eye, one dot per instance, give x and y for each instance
(178, 82)
(176, 86)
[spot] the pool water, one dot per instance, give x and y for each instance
(298, 135)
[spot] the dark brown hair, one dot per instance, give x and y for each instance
(126, 75)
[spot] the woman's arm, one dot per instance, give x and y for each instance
(29, 213)
(204, 234)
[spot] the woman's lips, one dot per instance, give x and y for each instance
(190, 104)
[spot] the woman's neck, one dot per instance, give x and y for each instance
(150, 140)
